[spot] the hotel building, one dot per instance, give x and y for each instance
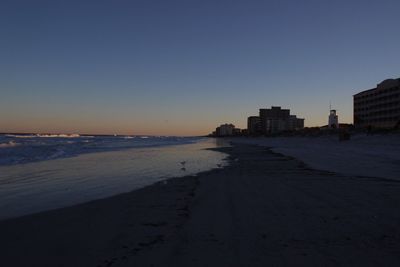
(253, 125)
(378, 107)
(275, 120)
(226, 130)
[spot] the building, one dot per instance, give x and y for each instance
(253, 125)
(227, 130)
(378, 107)
(275, 120)
(333, 120)
(295, 123)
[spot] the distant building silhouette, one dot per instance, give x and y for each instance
(227, 130)
(333, 121)
(275, 120)
(254, 125)
(378, 107)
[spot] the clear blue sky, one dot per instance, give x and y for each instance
(183, 67)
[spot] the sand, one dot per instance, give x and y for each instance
(363, 155)
(266, 209)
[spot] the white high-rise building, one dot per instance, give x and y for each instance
(333, 121)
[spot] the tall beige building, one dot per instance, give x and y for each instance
(378, 107)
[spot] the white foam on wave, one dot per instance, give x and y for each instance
(57, 154)
(21, 136)
(47, 135)
(9, 144)
(58, 135)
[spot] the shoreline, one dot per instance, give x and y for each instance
(69, 151)
(48, 185)
(48, 231)
(263, 209)
(159, 183)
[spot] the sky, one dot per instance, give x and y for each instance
(184, 67)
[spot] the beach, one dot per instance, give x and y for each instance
(364, 155)
(119, 166)
(264, 209)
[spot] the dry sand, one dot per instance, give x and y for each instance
(265, 209)
(362, 155)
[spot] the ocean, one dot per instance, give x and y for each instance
(44, 172)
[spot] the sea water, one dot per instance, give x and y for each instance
(39, 173)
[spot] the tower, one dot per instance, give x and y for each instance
(333, 121)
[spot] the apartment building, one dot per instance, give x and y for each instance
(378, 107)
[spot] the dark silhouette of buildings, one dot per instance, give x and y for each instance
(226, 130)
(275, 120)
(378, 107)
(254, 125)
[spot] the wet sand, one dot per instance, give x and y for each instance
(265, 209)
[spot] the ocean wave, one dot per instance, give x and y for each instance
(46, 135)
(21, 136)
(9, 144)
(57, 154)
(31, 148)
(58, 135)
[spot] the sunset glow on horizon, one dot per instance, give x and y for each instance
(184, 67)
